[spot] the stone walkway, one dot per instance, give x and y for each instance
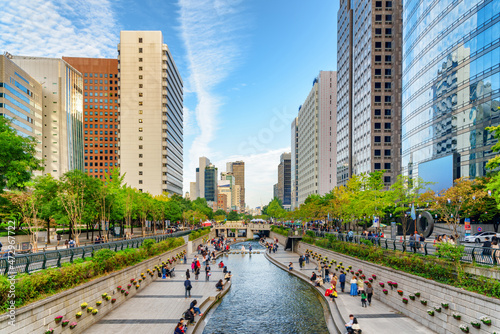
(158, 308)
(377, 318)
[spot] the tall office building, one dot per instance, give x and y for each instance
(62, 109)
(203, 163)
(193, 191)
(284, 180)
(210, 183)
(451, 88)
(100, 113)
(294, 156)
(314, 159)
(237, 168)
(369, 88)
(21, 101)
(151, 103)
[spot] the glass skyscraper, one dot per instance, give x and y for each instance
(451, 87)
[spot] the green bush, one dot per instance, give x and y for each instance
(199, 233)
(53, 280)
(280, 230)
(147, 244)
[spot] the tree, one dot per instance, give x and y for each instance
(17, 157)
(232, 216)
(275, 209)
(220, 212)
(456, 200)
(46, 190)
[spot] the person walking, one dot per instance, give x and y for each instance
(354, 287)
(369, 293)
(207, 273)
(342, 281)
(187, 287)
(301, 261)
(363, 299)
(361, 285)
(496, 251)
(188, 275)
(196, 273)
(193, 265)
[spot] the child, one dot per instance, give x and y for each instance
(363, 299)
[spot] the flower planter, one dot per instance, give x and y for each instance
(381, 284)
(438, 309)
(84, 305)
(464, 328)
(423, 302)
(385, 291)
(49, 331)
(485, 320)
(457, 316)
(113, 300)
(417, 294)
(370, 279)
(126, 293)
(445, 305)
(129, 286)
(430, 312)
(95, 311)
(119, 287)
(400, 292)
(137, 286)
(412, 297)
(104, 295)
(65, 323)
(98, 303)
(78, 315)
(475, 324)
(374, 276)
(89, 309)
(73, 325)
(58, 319)
(108, 298)
(405, 301)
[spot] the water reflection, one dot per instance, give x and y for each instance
(265, 299)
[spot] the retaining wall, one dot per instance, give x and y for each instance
(471, 306)
(39, 316)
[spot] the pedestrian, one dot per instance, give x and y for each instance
(189, 316)
(348, 325)
(350, 235)
(301, 261)
(187, 274)
(354, 287)
(342, 281)
(228, 276)
(219, 285)
(369, 293)
(207, 273)
(196, 273)
(179, 329)
(58, 240)
(313, 278)
(307, 258)
(185, 259)
(363, 299)
(196, 309)
(496, 252)
(422, 242)
(71, 243)
(188, 287)
(361, 285)
(290, 266)
(193, 264)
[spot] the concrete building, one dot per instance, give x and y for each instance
(237, 168)
(62, 109)
(284, 180)
(21, 101)
(225, 188)
(200, 177)
(313, 159)
(275, 190)
(193, 190)
(369, 88)
(151, 115)
(100, 113)
(222, 201)
(210, 179)
(451, 88)
(294, 163)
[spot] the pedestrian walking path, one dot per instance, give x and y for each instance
(158, 308)
(374, 319)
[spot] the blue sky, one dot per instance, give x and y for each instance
(246, 65)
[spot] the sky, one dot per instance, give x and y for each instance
(246, 65)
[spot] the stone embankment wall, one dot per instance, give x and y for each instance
(470, 306)
(39, 316)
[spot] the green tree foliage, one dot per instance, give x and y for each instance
(233, 216)
(17, 157)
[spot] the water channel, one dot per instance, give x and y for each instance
(265, 299)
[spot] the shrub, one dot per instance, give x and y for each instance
(147, 244)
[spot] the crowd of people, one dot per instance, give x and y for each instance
(272, 247)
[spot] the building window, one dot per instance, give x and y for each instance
(387, 179)
(140, 94)
(378, 85)
(388, 59)
(378, 17)
(387, 112)
(378, 112)
(377, 166)
(378, 4)
(388, 45)
(140, 112)
(140, 103)
(140, 164)
(140, 50)
(377, 153)
(387, 153)
(388, 72)
(140, 60)
(388, 85)
(140, 137)
(377, 126)
(140, 85)
(140, 39)
(140, 120)
(388, 31)
(378, 58)
(140, 155)
(387, 99)
(387, 126)
(388, 18)
(140, 77)
(388, 4)
(378, 31)
(140, 68)
(377, 139)
(387, 139)
(378, 45)
(378, 98)
(140, 129)
(387, 166)
(140, 182)
(378, 71)
(140, 147)
(140, 172)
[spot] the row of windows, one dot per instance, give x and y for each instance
(378, 166)
(378, 153)
(95, 75)
(99, 151)
(98, 94)
(100, 145)
(100, 119)
(99, 100)
(388, 18)
(100, 113)
(378, 126)
(96, 164)
(387, 99)
(378, 139)
(100, 138)
(105, 132)
(387, 112)
(378, 31)
(388, 4)
(378, 45)
(91, 157)
(387, 71)
(100, 87)
(100, 81)
(387, 85)
(388, 58)
(100, 107)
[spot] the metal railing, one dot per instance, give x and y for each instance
(480, 255)
(28, 263)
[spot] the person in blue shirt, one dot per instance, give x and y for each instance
(342, 281)
(187, 286)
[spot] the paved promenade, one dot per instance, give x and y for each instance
(374, 319)
(158, 308)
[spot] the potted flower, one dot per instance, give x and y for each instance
(89, 309)
(366, 282)
(417, 294)
(65, 323)
(389, 283)
(73, 325)
(78, 314)
(95, 311)
(475, 324)
(400, 292)
(113, 300)
(58, 319)
(140, 280)
(360, 271)
(464, 328)
(119, 287)
(126, 293)
(412, 297)
(108, 298)
(49, 331)
(98, 303)
(84, 305)
(445, 305)
(104, 295)
(385, 291)
(394, 284)
(374, 276)
(370, 279)
(485, 320)
(341, 264)
(350, 267)
(381, 284)
(405, 301)
(423, 302)
(123, 290)
(129, 286)
(363, 276)
(457, 316)
(132, 280)
(438, 309)
(430, 312)
(137, 286)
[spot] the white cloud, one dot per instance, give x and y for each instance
(261, 172)
(53, 28)
(208, 29)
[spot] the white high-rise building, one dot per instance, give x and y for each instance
(151, 114)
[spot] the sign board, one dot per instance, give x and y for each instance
(479, 229)
(117, 231)
(467, 227)
(394, 230)
(376, 222)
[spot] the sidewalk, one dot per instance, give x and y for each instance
(372, 318)
(158, 308)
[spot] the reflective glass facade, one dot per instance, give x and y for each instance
(451, 83)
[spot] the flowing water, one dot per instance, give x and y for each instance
(265, 299)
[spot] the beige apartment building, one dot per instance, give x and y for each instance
(237, 168)
(62, 109)
(151, 102)
(21, 101)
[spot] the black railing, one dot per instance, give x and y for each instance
(28, 263)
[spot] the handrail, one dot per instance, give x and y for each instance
(29, 263)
